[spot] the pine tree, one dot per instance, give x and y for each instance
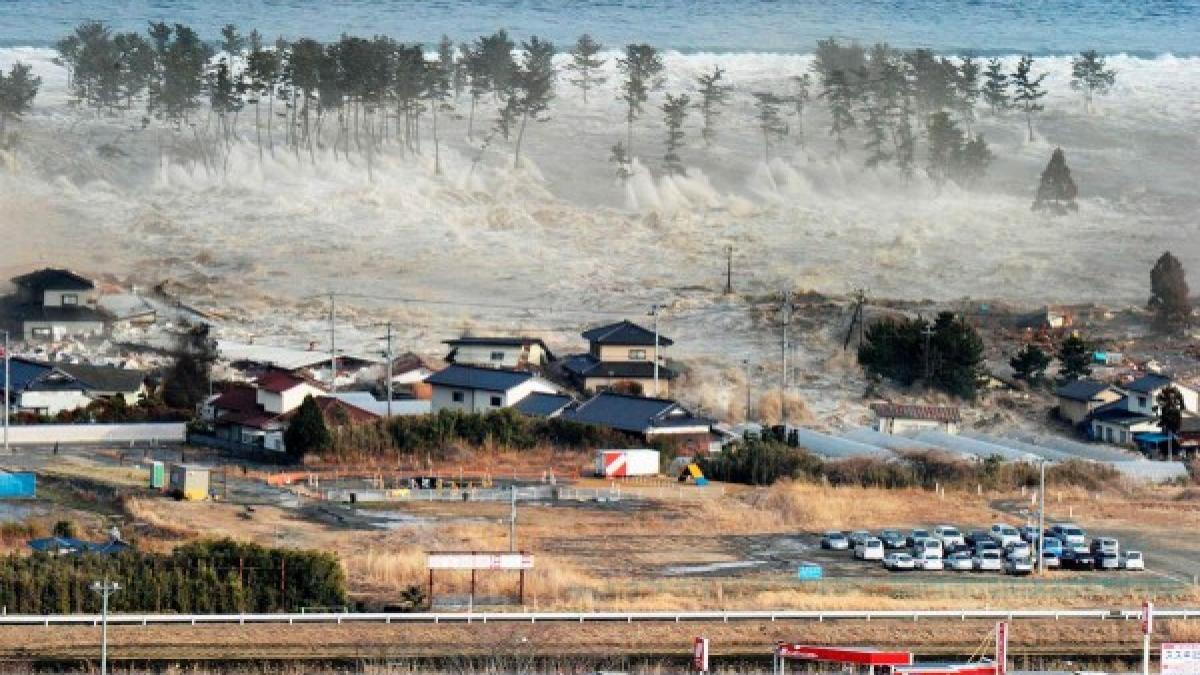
(1029, 364)
(17, 90)
(1075, 358)
(966, 90)
(1090, 75)
(439, 82)
(1169, 292)
(642, 66)
(1056, 192)
(995, 86)
(976, 157)
(307, 432)
(1028, 90)
(906, 140)
(585, 64)
(621, 160)
(801, 95)
(674, 113)
(533, 85)
(839, 94)
(714, 95)
(770, 122)
(1170, 412)
(945, 147)
(188, 380)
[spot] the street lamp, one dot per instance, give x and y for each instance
(104, 588)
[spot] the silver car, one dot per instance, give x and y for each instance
(989, 561)
(835, 541)
(960, 562)
(1018, 566)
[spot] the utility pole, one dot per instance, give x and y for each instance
(927, 331)
(785, 314)
(105, 589)
(332, 344)
(746, 367)
(512, 519)
(389, 370)
(1042, 522)
(729, 270)
(654, 312)
(7, 389)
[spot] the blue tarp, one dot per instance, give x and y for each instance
(17, 485)
(1150, 437)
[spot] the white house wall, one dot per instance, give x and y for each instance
(52, 402)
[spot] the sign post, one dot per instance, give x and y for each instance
(700, 654)
(1147, 630)
(1001, 648)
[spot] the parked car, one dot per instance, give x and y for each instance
(973, 537)
(960, 561)
(834, 540)
(1107, 561)
(1050, 560)
(1020, 549)
(1078, 558)
(1069, 534)
(928, 544)
(989, 561)
(1053, 545)
(929, 561)
(1105, 546)
(893, 539)
(869, 549)
(915, 535)
(897, 561)
(1018, 566)
(987, 545)
(1004, 534)
(858, 536)
(1030, 533)
(950, 537)
(1133, 560)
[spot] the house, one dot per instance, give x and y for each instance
(1047, 318)
(51, 388)
(258, 415)
(544, 405)
(54, 303)
(280, 392)
(254, 360)
(1143, 393)
(621, 356)
(1133, 419)
(1116, 423)
(1078, 399)
(899, 418)
(652, 419)
(109, 382)
(478, 389)
(365, 400)
(514, 353)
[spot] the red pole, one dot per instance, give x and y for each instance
(521, 592)
(431, 588)
(472, 588)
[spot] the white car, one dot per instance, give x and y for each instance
(960, 562)
(1004, 534)
(928, 545)
(1020, 549)
(1069, 534)
(1133, 560)
(929, 562)
(1018, 566)
(989, 561)
(869, 549)
(1050, 560)
(899, 561)
(950, 537)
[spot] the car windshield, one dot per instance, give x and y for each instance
(920, 533)
(950, 532)
(1073, 531)
(1133, 555)
(874, 543)
(990, 554)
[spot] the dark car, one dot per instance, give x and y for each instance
(1078, 558)
(916, 534)
(974, 537)
(893, 539)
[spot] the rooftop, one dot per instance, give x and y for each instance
(53, 278)
(1149, 383)
(624, 333)
(472, 377)
(539, 404)
(636, 414)
(105, 378)
(935, 413)
(1082, 389)
(586, 365)
(278, 381)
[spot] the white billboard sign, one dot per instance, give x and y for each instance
(480, 561)
(1180, 658)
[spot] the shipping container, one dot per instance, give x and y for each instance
(623, 463)
(189, 482)
(17, 485)
(158, 475)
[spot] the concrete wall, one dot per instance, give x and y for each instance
(48, 434)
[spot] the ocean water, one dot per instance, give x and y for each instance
(1145, 27)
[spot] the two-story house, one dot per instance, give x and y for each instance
(54, 303)
(476, 389)
(621, 356)
(1136, 413)
(514, 353)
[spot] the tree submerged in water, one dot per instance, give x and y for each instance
(1057, 192)
(1169, 292)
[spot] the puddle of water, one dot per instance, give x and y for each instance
(712, 567)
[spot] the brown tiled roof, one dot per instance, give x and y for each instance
(936, 413)
(239, 398)
(277, 381)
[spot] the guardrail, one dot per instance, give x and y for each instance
(584, 617)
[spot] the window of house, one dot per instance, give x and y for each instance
(637, 354)
(497, 401)
(69, 299)
(497, 356)
(1108, 434)
(1141, 401)
(1122, 436)
(41, 333)
(458, 397)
